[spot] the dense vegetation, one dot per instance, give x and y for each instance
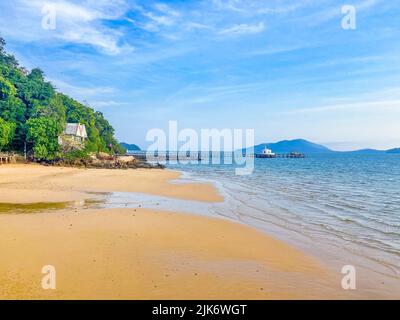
(34, 114)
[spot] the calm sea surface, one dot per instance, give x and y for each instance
(343, 207)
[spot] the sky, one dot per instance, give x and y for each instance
(287, 69)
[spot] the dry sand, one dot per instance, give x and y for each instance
(137, 253)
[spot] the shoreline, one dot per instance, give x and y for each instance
(375, 278)
(32, 183)
(141, 253)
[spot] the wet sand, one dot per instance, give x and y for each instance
(140, 253)
(36, 183)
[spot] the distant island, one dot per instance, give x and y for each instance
(130, 147)
(307, 147)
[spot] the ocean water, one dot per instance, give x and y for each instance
(343, 208)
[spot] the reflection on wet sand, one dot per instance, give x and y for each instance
(25, 208)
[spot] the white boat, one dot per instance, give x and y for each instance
(266, 153)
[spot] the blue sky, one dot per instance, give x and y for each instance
(285, 68)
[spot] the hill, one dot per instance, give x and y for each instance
(130, 147)
(34, 114)
(367, 151)
(297, 145)
(307, 147)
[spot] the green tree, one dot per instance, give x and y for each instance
(43, 134)
(5, 57)
(31, 103)
(6, 133)
(12, 109)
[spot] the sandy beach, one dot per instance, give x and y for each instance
(36, 183)
(140, 253)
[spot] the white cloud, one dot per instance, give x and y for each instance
(79, 91)
(243, 29)
(379, 104)
(195, 25)
(283, 9)
(232, 5)
(160, 20)
(108, 103)
(75, 23)
(162, 7)
(333, 11)
(262, 7)
(162, 16)
(275, 50)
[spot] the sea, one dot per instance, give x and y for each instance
(341, 208)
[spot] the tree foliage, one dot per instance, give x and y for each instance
(6, 133)
(43, 133)
(38, 113)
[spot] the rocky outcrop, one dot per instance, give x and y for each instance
(126, 159)
(103, 156)
(106, 161)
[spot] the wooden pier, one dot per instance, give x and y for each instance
(203, 155)
(292, 155)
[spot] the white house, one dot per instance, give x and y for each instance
(76, 130)
(73, 137)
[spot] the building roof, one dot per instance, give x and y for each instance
(76, 129)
